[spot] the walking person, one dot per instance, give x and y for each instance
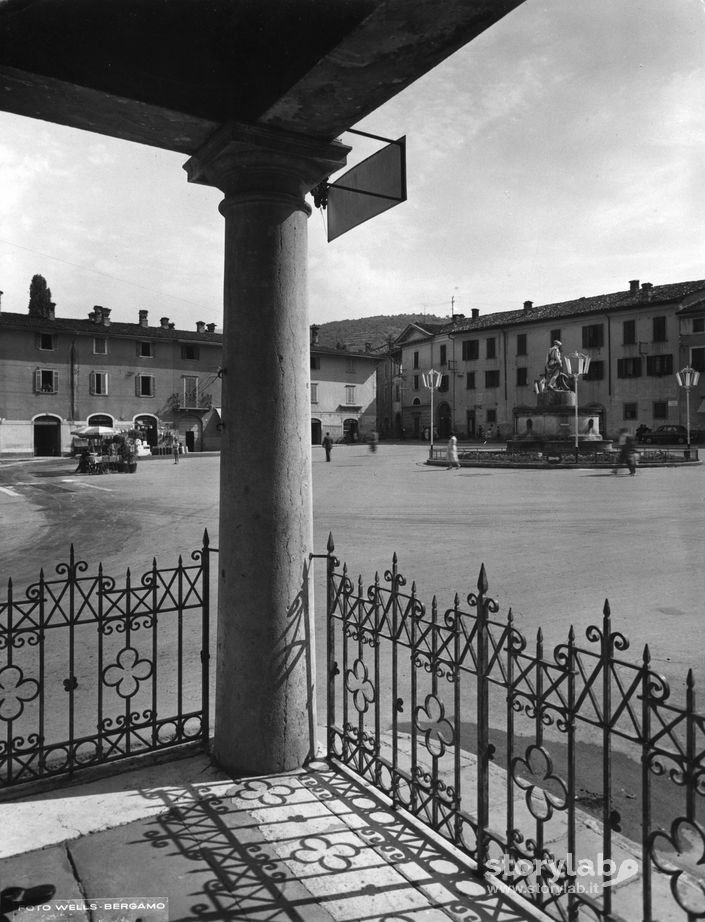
(626, 453)
(327, 445)
(453, 453)
(176, 448)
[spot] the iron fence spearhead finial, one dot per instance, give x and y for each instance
(482, 583)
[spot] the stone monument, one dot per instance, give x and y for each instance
(549, 428)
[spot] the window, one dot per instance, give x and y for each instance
(593, 336)
(189, 352)
(699, 325)
(46, 381)
(629, 367)
(46, 341)
(659, 365)
(491, 417)
(145, 350)
(443, 386)
(191, 397)
(397, 393)
(416, 360)
(314, 393)
(416, 382)
(660, 409)
(100, 345)
(555, 335)
(628, 333)
(631, 411)
(444, 355)
(521, 343)
(349, 393)
(469, 380)
(522, 377)
(492, 378)
(491, 348)
(144, 385)
(315, 363)
(697, 359)
(659, 329)
(596, 371)
(99, 383)
(471, 349)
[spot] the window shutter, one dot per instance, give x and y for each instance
(55, 380)
(91, 386)
(105, 383)
(137, 385)
(37, 382)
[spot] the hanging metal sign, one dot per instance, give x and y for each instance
(369, 188)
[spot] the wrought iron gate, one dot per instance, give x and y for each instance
(93, 672)
(569, 773)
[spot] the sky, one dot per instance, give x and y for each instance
(559, 154)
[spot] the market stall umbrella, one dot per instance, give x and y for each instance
(94, 432)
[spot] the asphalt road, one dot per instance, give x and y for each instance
(556, 543)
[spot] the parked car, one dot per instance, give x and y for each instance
(666, 435)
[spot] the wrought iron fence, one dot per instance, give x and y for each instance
(570, 774)
(93, 672)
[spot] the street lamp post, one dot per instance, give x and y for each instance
(431, 380)
(687, 377)
(576, 364)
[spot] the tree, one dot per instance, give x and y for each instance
(40, 303)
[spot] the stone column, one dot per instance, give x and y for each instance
(265, 714)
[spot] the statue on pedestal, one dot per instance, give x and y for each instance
(554, 378)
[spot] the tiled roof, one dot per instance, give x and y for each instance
(331, 350)
(88, 327)
(660, 294)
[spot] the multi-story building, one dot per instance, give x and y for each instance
(59, 374)
(637, 340)
(343, 392)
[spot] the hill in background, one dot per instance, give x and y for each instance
(377, 331)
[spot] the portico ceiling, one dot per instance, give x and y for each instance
(169, 73)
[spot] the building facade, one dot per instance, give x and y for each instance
(57, 375)
(637, 340)
(343, 392)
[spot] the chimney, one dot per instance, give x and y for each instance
(172, 325)
(459, 316)
(475, 313)
(634, 287)
(1, 294)
(143, 318)
(164, 323)
(368, 347)
(200, 326)
(51, 310)
(314, 334)
(646, 291)
(528, 305)
(106, 316)
(210, 327)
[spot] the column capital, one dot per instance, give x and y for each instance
(242, 158)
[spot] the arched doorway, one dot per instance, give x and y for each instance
(100, 419)
(47, 436)
(147, 426)
(316, 436)
(444, 421)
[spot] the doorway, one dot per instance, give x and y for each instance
(47, 437)
(316, 436)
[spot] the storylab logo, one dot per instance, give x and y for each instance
(554, 875)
